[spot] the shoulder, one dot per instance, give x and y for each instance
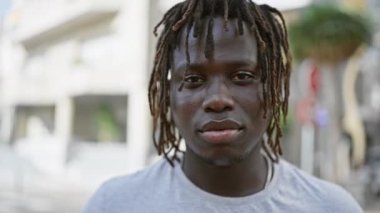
(135, 180)
(127, 188)
(317, 192)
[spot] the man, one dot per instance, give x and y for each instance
(220, 83)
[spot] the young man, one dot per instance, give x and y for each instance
(220, 83)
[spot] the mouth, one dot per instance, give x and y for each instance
(223, 131)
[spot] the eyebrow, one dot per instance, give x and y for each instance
(233, 63)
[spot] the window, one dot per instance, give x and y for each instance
(100, 118)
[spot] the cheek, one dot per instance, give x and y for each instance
(250, 100)
(183, 106)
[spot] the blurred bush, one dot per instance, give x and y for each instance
(327, 34)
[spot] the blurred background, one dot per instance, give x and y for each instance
(73, 96)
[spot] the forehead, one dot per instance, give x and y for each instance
(228, 46)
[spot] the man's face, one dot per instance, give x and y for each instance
(218, 111)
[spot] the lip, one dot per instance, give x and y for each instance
(221, 131)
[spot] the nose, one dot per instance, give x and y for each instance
(218, 98)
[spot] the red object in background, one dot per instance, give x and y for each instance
(306, 106)
(314, 80)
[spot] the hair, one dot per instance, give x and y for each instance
(274, 62)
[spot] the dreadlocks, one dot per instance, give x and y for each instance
(274, 61)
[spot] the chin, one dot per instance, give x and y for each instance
(225, 160)
(226, 157)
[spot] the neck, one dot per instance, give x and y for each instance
(239, 179)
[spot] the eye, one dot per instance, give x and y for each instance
(243, 77)
(194, 79)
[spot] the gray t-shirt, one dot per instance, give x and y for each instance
(163, 189)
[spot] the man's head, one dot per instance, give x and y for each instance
(220, 79)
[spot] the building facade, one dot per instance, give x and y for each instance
(73, 93)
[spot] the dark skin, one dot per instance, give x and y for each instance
(219, 114)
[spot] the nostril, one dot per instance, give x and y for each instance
(218, 104)
(218, 109)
